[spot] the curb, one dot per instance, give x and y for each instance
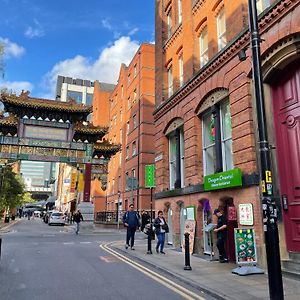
(5, 227)
(190, 283)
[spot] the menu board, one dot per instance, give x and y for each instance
(189, 226)
(245, 247)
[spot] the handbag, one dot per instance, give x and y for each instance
(165, 227)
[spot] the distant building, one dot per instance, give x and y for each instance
(77, 89)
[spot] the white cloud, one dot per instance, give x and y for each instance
(133, 31)
(106, 24)
(36, 31)
(105, 68)
(11, 49)
(16, 86)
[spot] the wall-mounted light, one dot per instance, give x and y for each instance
(242, 55)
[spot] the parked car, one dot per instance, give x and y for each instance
(57, 218)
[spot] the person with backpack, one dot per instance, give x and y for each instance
(131, 220)
(161, 228)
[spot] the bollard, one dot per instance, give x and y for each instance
(0, 247)
(149, 240)
(187, 266)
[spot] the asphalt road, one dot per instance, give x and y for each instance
(41, 262)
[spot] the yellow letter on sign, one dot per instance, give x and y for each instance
(268, 177)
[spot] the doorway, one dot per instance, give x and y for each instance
(286, 104)
(183, 217)
(170, 223)
(207, 235)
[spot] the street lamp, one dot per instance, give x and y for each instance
(118, 206)
(268, 202)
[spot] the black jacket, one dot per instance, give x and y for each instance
(77, 217)
(158, 226)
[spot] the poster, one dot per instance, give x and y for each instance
(246, 214)
(190, 212)
(245, 248)
(189, 226)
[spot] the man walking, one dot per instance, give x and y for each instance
(221, 231)
(77, 218)
(131, 220)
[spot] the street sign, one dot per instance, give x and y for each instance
(131, 183)
(150, 179)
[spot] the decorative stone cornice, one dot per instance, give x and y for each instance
(270, 17)
(197, 4)
(173, 37)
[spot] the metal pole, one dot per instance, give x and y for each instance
(149, 251)
(118, 212)
(268, 201)
(187, 266)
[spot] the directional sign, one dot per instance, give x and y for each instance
(150, 180)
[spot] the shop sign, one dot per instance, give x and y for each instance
(245, 247)
(246, 214)
(73, 182)
(228, 179)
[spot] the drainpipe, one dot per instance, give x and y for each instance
(139, 132)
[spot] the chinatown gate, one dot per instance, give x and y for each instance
(55, 131)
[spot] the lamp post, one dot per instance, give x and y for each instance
(118, 207)
(268, 202)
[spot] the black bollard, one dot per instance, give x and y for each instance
(149, 251)
(187, 266)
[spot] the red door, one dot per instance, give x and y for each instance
(286, 103)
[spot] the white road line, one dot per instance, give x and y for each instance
(85, 242)
(68, 243)
(185, 293)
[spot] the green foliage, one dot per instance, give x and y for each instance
(12, 189)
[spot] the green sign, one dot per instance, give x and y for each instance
(89, 150)
(149, 180)
(245, 248)
(223, 180)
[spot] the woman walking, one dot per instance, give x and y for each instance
(161, 228)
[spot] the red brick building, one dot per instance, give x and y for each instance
(205, 115)
(130, 107)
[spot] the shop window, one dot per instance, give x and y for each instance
(217, 139)
(89, 99)
(73, 95)
(261, 5)
(221, 29)
(203, 43)
(176, 158)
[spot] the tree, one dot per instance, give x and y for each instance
(12, 189)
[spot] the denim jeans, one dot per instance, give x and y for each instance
(130, 236)
(161, 241)
(77, 227)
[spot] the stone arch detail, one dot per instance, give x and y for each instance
(210, 99)
(173, 124)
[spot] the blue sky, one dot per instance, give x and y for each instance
(82, 39)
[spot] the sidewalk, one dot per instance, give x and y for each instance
(211, 276)
(4, 226)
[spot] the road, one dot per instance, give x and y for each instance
(51, 262)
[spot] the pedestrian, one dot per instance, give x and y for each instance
(131, 220)
(77, 219)
(161, 228)
(221, 231)
(145, 220)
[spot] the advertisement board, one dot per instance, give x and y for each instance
(189, 226)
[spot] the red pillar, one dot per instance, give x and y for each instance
(87, 182)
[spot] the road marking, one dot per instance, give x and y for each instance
(68, 243)
(85, 242)
(109, 259)
(185, 293)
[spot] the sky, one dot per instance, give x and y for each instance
(87, 40)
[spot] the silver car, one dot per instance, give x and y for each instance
(56, 218)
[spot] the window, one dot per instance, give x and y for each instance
(133, 148)
(122, 91)
(179, 11)
(120, 158)
(180, 62)
(127, 152)
(134, 121)
(133, 173)
(121, 115)
(261, 5)
(115, 120)
(221, 29)
(121, 136)
(128, 79)
(169, 23)
(77, 96)
(203, 42)
(170, 82)
(128, 127)
(128, 102)
(89, 99)
(134, 96)
(211, 160)
(134, 71)
(176, 158)
(113, 186)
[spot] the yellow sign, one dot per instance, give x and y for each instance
(80, 183)
(73, 182)
(263, 186)
(268, 177)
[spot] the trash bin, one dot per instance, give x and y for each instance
(6, 219)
